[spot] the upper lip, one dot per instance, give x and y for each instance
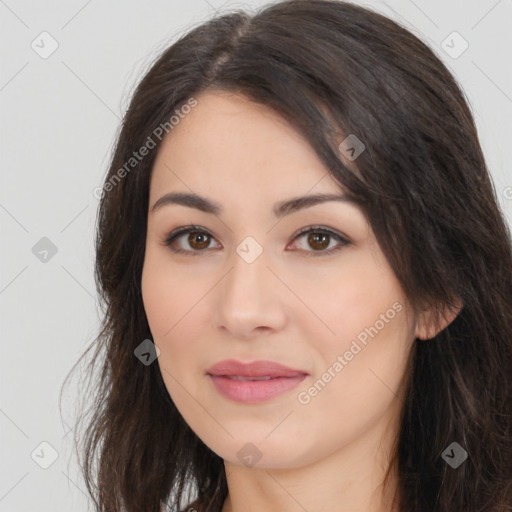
(231, 367)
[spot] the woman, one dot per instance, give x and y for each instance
(350, 349)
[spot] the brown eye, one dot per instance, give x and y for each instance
(318, 241)
(198, 240)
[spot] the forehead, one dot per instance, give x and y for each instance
(226, 140)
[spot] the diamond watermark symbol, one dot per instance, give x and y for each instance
(147, 352)
(351, 147)
(249, 249)
(454, 455)
(454, 45)
(44, 250)
(44, 45)
(44, 455)
(249, 455)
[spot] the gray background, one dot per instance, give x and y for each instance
(60, 115)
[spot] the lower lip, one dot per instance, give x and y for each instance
(254, 391)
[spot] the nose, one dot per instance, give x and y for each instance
(249, 299)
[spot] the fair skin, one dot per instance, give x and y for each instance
(293, 304)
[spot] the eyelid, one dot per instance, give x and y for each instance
(171, 237)
(342, 239)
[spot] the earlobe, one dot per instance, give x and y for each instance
(432, 321)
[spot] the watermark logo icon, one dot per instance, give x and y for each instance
(249, 249)
(454, 455)
(454, 45)
(249, 455)
(351, 147)
(147, 352)
(44, 455)
(44, 45)
(44, 250)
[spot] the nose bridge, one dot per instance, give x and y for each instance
(246, 280)
(248, 298)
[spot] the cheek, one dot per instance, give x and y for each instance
(348, 297)
(174, 309)
(357, 385)
(363, 346)
(168, 296)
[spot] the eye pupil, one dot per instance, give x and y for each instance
(201, 244)
(313, 240)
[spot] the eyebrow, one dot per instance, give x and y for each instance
(280, 209)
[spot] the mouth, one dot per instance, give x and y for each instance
(254, 390)
(254, 382)
(240, 377)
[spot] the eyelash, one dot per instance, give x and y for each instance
(310, 229)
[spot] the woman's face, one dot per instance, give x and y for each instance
(248, 287)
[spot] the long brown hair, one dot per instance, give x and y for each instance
(328, 67)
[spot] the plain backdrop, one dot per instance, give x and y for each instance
(67, 70)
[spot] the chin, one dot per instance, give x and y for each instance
(263, 453)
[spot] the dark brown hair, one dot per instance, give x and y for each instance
(328, 67)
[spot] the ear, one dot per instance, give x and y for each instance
(433, 320)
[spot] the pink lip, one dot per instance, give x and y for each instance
(228, 377)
